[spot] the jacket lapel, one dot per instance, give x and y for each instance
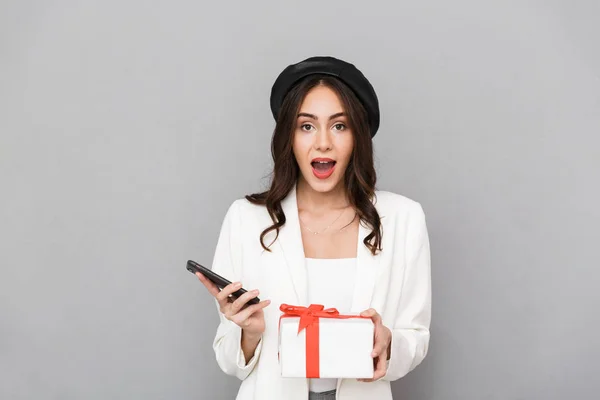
(290, 240)
(367, 270)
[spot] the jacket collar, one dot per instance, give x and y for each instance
(290, 240)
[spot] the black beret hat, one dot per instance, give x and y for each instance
(342, 70)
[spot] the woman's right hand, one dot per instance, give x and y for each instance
(251, 318)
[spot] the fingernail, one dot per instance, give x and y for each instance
(255, 291)
(237, 285)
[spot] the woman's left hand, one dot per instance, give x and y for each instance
(381, 346)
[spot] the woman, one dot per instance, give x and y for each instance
(321, 234)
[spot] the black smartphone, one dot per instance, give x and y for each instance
(217, 279)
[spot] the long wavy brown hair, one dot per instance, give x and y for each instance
(359, 178)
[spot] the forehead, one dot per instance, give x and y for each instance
(322, 100)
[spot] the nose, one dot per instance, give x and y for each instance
(323, 140)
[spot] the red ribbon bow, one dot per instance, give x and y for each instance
(309, 320)
(308, 315)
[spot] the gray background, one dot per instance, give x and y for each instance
(128, 127)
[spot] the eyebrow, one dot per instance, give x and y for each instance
(312, 116)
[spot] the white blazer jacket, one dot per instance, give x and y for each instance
(396, 282)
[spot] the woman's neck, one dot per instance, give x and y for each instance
(310, 199)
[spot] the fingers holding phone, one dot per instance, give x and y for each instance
(240, 310)
(249, 317)
(237, 305)
(211, 287)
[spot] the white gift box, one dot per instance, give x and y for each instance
(342, 350)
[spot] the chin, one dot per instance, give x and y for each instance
(322, 187)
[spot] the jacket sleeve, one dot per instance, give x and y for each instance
(227, 262)
(410, 333)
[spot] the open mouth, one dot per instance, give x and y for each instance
(323, 168)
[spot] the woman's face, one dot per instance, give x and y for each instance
(323, 141)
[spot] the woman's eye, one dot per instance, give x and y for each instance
(306, 127)
(339, 127)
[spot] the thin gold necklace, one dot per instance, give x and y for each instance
(330, 225)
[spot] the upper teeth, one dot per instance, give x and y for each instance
(322, 162)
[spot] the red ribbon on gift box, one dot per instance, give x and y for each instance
(309, 320)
